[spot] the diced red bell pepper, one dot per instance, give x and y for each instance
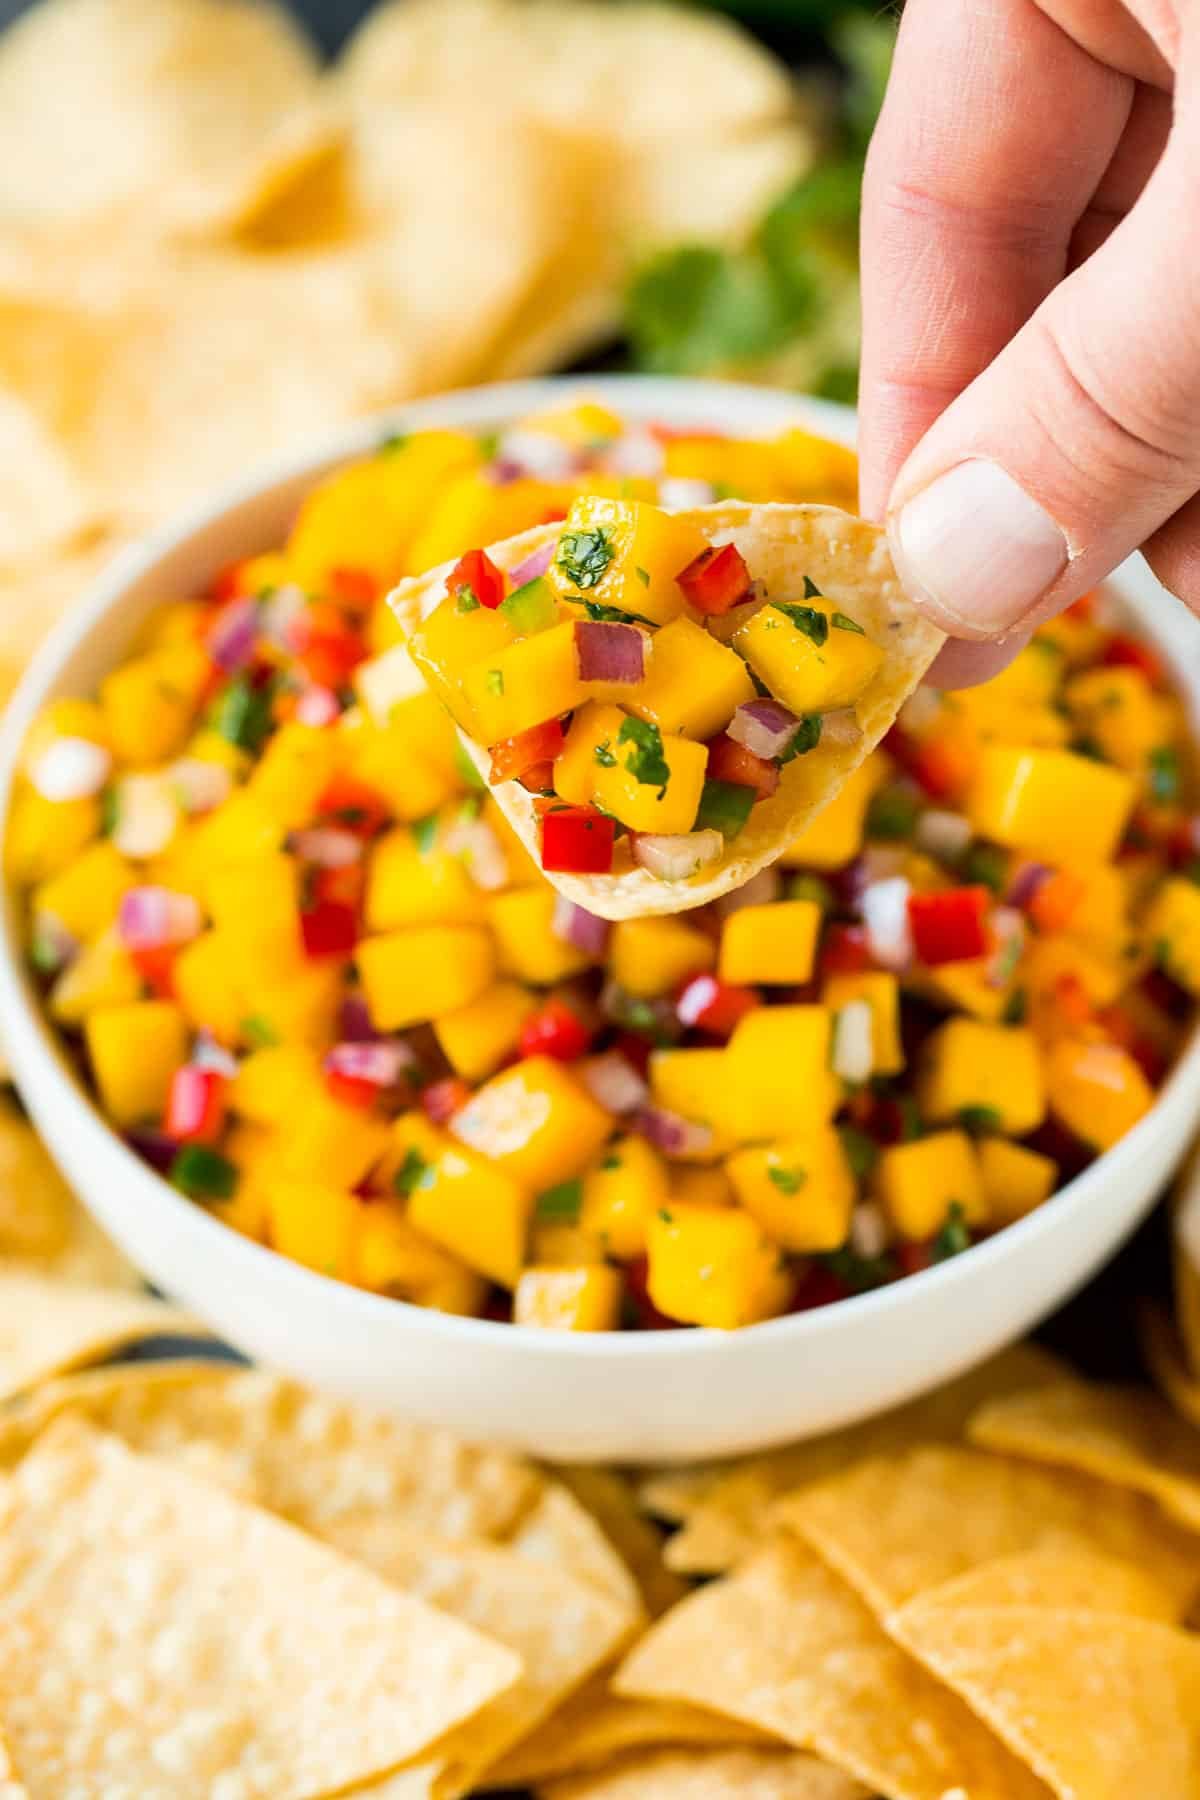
(539, 779)
(716, 580)
(326, 647)
(335, 887)
(577, 840)
(195, 1105)
(730, 761)
(706, 1004)
(844, 950)
(818, 1286)
(330, 928)
(477, 574)
(352, 805)
(351, 1090)
(555, 1030)
(440, 1100)
(229, 583)
(912, 1257)
(949, 925)
(635, 1049)
(1123, 652)
(514, 756)
(941, 766)
(355, 589)
(157, 969)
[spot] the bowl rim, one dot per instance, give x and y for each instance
(30, 1035)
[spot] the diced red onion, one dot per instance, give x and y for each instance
(199, 785)
(154, 1147)
(326, 847)
(943, 834)
(318, 706)
(354, 1021)
(613, 1081)
(147, 813)
(573, 924)
(1027, 879)
(150, 918)
(764, 727)
(640, 453)
(1008, 936)
(535, 564)
(671, 1134)
(279, 613)
(841, 729)
(207, 1053)
(381, 1063)
(606, 651)
(53, 946)
(870, 1233)
(71, 768)
(760, 890)
(854, 1041)
(473, 839)
(675, 857)
(679, 493)
(233, 634)
(884, 908)
(537, 453)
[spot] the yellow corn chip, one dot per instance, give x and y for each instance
(595, 1725)
(1165, 1355)
(783, 545)
(47, 1326)
(674, 1494)
(561, 1627)
(559, 1531)
(1122, 1435)
(712, 1775)
(609, 1497)
(1185, 1252)
(785, 1645)
(733, 1509)
(43, 1228)
(1102, 1707)
(1060, 1577)
(160, 1638)
(897, 1525)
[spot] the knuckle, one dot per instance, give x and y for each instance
(1137, 414)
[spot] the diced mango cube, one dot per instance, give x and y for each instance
(881, 992)
(312, 1222)
(410, 885)
(810, 654)
(1172, 924)
(84, 897)
(697, 1085)
(275, 1084)
(576, 768)
(1117, 709)
(299, 1006)
(103, 974)
(693, 683)
(779, 1070)
(772, 944)
(801, 1190)
(472, 509)
(564, 1246)
(415, 1142)
(712, 1266)
(450, 641)
(293, 771)
(477, 1211)
(1096, 1089)
(667, 807)
(238, 831)
(150, 702)
(535, 679)
(392, 1257)
(413, 779)
(582, 1299)
(652, 956)
(333, 1143)
(134, 1051)
(208, 979)
(255, 905)
(993, 1071)
(476, 1038)
(698, 1185)
(1050, 803)
(536, 1121)
(622, 1193)
(921, 1181)
(522, 922)
(45, 835)
(626, 554)
(1015, 1180)
(835, 836)
(409, 977)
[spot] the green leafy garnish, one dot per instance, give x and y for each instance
(862, 1152)
(1016, 1007)
(643, 575)
(805, 738)
(394, 440)
(1164, 775)
(560, 1205)
(603, 755)
(466, 600)
(495, 681)
(584, 555)
(616, 615)
(465, 769)
(258, 1031)
(203, 1174)
(811, 887)
(788, 1181)
(610, 1162)
(979, 1119)
(814, 624)
(414, 1172)
(110, 812)
(811, 590)
(954, 1236)
(242, 714)
(986, 865)
(424, 833)
(724, 807)
(892, 814)
(860, 1273)
(645, 761)
(844, 622)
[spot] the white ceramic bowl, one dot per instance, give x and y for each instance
(651, 1396)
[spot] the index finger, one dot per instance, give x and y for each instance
(996, 131)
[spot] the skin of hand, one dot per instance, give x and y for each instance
(1030, 392)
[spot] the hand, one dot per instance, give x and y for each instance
(1030, 397)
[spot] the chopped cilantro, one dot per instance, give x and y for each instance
(489, 443)
(668, 1218)
(394, 440)
(807, 619)
(465, 769)
(788, 1181)
(811, 887)
(979, 1119)
(258, 1031)
(645, 761)
(495, 681)
(424, 833)
(584, 555)
(862, 1152)
(811, 590)
(45, 954)
(724, 807)
(617, 615)
(954, 1236)
(242, 714)
(1016, 1007)
(560, 1205)
(844, 622)
(986, 865)
(806, 737)
(203, 1174)
(414, 1172)
(892, 814)
(110, 812)
(860, 1273)
(1164, 775)
(610, 1162)
(603, 755)
(466, 600)
(643, 575)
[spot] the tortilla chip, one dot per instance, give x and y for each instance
(1185, 1250)
(1122, 1435)
(1060, 1577)
(733, 1511)
(609, 1497)
(595, 1725)
(674, 1494)
(312, 1459)
(558, 1530)
(1164, 1352)
(43, 1228)
(785, 1645)
(48, 1326)
(152, 113)
(848, 559)
(561, 1627)
(1102, 1707)
(898, 1525)
(157, 1635)
(712, 1775)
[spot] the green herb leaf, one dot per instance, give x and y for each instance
(892, 814)
(954, 1237)
(811, 590)
(643, 575)
(813, 624)
(203, 1174)
(1165, 780)
(414, 1172)
(1016, 1007)
(645, 761)
(258, 1031)
(724, 807)
(424, 833)
(980, 1119)
(862, 1152)
(811, 887)
(860, 1273)
(465, 769)
(466, 600)
(986, 865)
(844, 622)
(697, 308)
(495, 681)
(560, 1205)
(395, 440)
(616, 615)
(110, 811)
(805, 738)
(242, 714)
(788, 1181)
(584, 555)
(603, 755)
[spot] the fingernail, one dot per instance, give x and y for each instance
(977, 549)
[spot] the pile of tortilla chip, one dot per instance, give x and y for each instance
(212, 246)
(216, 1583)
